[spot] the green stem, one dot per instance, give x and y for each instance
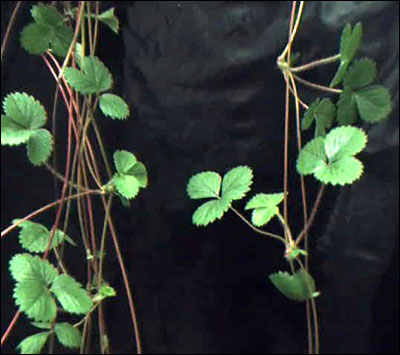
(315, 63)
(317, 86)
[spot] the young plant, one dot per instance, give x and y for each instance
(66, 41)
(330, 157)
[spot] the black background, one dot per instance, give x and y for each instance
(206, 95)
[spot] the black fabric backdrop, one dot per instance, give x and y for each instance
(206, 95)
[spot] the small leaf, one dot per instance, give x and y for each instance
(140, 173)
(236, 183)
(124, 161)
(350, 41)
(114, 106)
(203, 185)
(340, 73)
(25, 110)
(12, 133)
(34, 343)
(346, 108)
(42, 325)
(309, 115)
(94, 77)
(71, 295)
(341, 172)
(360, 74)
(264, 207)
(35, 39)
(344, 141)
(108, 18)
(126, 185)
(68, 335)
(39, 147)
(374, 103)
(311, 157)
(210, 211)
(325, 114)
(298, 287)
(46, 16)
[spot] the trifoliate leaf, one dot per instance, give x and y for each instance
(312, 156)
(360, 74)
(140, 173)
(71, 295)
(236, 183)
(34, 343)
(203, 185)
(350, 41)
(309, 115)
(374, 103)
(114, 106)
(48, 32)
(264, 207)
(34, 237)
(68, 335)
(94, 77)
(25, 110)
(39, 147)
(344, 141)
(124, 161)
(346, 108)
(341, 172)
(126, 185)
(12, 133)
(31, 292)
(298, 287)
(108, 18)
(210, 211)
(331, 159)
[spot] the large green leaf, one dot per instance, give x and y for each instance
(123, 161)
(33, 344)
(360, 74)
(13, 133)
(312, 156)
(126, 185)
(39, 147)
(298, 287)
(346, 108)
(374, 103)
(68, 335)
(114, 106)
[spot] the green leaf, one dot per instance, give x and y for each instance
(42, 325)
(236, 183)
(104, 292)
(341, 172)
(344, 141)
(331, 159)
(109, 19)
(126, 185)
(374, 103)
(46, 16)
(25, 110)
(124, 161)
(31, 293)
(340, 73)
(114, 106)
(35, 39)
(360, 74)
(203, 185)
(71, 295)
(210, 211)
(12, 133)
(325, 114)
(264, 207)
(48, 32)
(68, 335)
(40, 146)
(298, 287)
(34, 343)
(346, 108)
(311, 157)
(140, 173)
(34, 237)
(309, 115)
(94, 77)
(350, 41)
